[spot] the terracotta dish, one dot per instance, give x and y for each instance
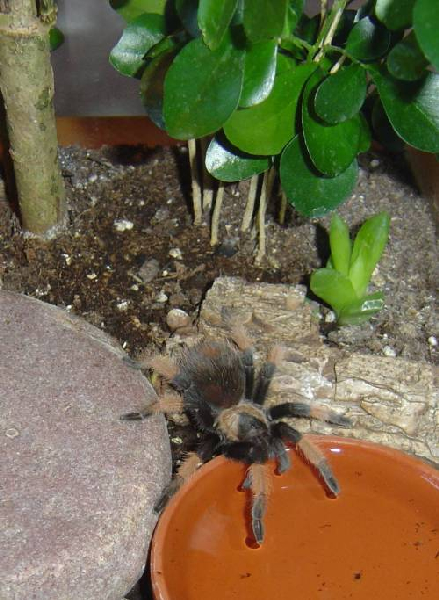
(379, 539)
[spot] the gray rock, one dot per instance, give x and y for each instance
(77, 484)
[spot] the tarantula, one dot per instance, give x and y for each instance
(220, 393)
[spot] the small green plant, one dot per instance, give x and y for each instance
(343, 283)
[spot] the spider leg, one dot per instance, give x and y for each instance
(315, 457)
(245, 344)
(260, 487)
(133, 364)
(280, 452)
(187, 468)
(266, 374)
(301, 410)
(169, 403)
(164, 366)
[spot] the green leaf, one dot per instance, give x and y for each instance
(406, 60)
(56, 38)
(138, 37)
(395, 14)
(412, 107)
(130, 9)
(230, 164)
(341, 245)
(367, 250)
(332, 148)
(365, 135)
(294, 12)
(312, 194)
(202, 89)
(361, 310)
(264, 19)
(341, 95)
(152, 84)
(187, 10)
(266, 127)
(368, 40)
(259, 72)
(332, 287)
(214, 18)
(383, 130)
(425, 23)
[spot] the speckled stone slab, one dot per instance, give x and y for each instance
(77, 485)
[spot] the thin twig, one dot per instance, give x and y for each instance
(334, 19)
(216, 214)
(250, 204)
(208, 181)
(196, 190)
(267, 186)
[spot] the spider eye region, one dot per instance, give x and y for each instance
(242, 423)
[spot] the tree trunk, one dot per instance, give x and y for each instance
(26, 83)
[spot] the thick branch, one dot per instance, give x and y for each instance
(26, 83)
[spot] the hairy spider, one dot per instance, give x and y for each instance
(221, 395)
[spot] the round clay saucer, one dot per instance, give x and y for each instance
(378, 539)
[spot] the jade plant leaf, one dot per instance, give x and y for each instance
(395, 14)
(425, 23)
(230, 164)
(412, 107)
(406, 60)
(130, 9)
(312, 194)
(332, 148)
(202, 88)
(138, 37)
(341, 245)
(266, 127)
(259, 73)
(341, 95)
(383, 130)
(294, 12)
(214, 18)
(151, 86)
(264, 19)
(365, 135)
(368, 40)
(367, 250)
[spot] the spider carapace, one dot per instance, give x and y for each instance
(217, 387)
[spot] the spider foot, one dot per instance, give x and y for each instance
(167, 494)
(258, 511)
(133, 364)
(136, 416)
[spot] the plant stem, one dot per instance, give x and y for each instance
(283, 207)
(338, 64)
(332, 23)
(27, 88)
(267, 186)
(196, 189)
(216, 214)
(208, 182)
(250, 204)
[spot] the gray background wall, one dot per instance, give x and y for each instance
(85, 83)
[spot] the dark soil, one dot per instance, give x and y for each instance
(130, 253)
(96, 271)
